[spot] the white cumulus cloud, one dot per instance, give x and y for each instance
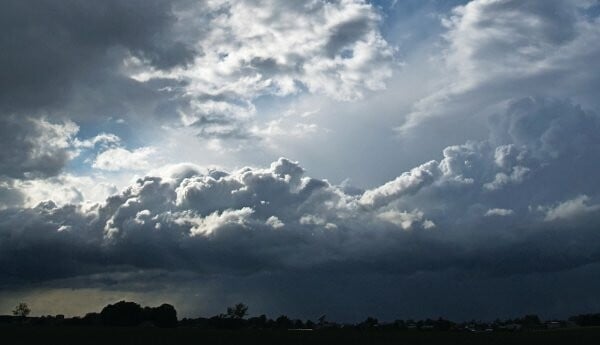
(119, 158)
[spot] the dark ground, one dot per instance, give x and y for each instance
(175, 336)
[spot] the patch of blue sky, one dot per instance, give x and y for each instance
(408, 22)
(129, 138)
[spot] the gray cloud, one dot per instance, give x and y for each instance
(498, 50)
(10, 195)
(50, 47)
(32, 148)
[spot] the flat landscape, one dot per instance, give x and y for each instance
(136, 335)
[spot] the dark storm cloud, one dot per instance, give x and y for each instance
(48, 46)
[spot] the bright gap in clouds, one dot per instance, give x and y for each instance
(429, 145)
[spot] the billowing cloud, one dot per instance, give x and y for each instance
(408, 182)
(274, 48)
(257, 220)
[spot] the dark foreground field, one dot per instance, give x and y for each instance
(176, 336)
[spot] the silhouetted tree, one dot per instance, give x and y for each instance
(531, 321)
(258, 322)
(370, 322)
(298, 324)
(283, 322)
(91, 319)
(586, 320)
(122, 314)
(400, 324)
(162, 316)
(22, 310)
(238, 311)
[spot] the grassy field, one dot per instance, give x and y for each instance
(176, 336)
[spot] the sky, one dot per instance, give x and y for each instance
(397, 159)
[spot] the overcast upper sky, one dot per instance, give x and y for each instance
(398, 159)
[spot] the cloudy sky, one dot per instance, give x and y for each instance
(400, 159)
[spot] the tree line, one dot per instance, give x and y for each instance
(131, 314)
